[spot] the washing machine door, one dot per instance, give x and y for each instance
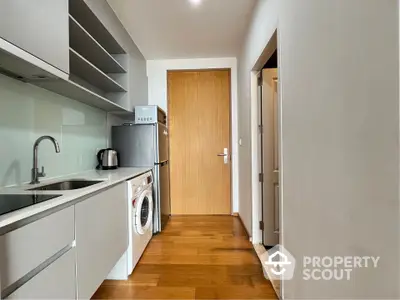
(144, 212)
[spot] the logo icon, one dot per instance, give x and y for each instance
(279, 263)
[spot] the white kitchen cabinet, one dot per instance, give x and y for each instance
(38, 27)
(24, 249)
(101, 237)
(57, 281)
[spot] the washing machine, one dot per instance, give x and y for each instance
(140, 220)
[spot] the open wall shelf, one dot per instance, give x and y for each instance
(84, 69)
(77, 92)
(96, 58)
(79, 10)
(82, 42)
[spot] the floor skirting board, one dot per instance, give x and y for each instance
(241, 221)
(260, 250)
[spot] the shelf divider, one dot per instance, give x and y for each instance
(77, 92)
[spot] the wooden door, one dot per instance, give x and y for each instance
(199, 122)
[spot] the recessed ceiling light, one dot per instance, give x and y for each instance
(195, 2)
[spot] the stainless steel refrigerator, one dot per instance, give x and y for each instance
(146, 145)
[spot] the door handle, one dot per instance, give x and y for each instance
(225, 155)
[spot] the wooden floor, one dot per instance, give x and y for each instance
(195, 257)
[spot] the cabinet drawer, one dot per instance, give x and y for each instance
(57, 281)
(25, 248)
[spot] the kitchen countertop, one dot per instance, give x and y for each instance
(109, 178)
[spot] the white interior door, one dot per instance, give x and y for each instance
(270, 157)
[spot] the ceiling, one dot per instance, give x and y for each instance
(164, 29)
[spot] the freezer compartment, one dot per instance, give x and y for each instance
(135, 144)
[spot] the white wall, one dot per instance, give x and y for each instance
(157, 77)
(340, 80)
(262, 27)
(339, 77)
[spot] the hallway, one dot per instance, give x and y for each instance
(196, 257)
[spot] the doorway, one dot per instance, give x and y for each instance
(269, 160)
(200, 144)
(266, 148)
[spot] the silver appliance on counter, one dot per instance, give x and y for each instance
(145, 144)
(107, 159)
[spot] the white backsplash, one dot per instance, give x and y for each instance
(28, 112)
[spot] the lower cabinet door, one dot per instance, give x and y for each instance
(57, 281)
(101, 237)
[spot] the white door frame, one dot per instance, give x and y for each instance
(257, 234)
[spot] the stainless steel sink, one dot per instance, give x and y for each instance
(66, 185)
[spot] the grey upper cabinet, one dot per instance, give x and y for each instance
(38, 27)
(138, 81)
(81, 42)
